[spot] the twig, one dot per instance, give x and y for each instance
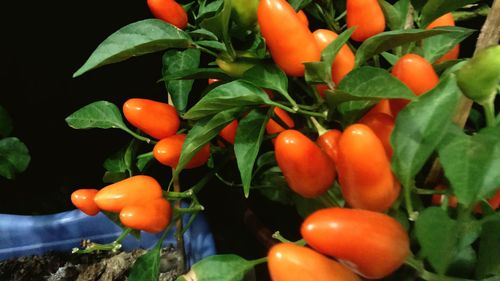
(181, 260)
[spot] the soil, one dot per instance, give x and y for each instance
(65, 266)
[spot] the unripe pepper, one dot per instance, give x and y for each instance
(344, 60)
(169, 11)
(382, 125)
(153, 216)
(307, 169)
(289, 41)
(157, 119)
(371, 244)
(83, 199)
(290, 262)
(479, 77)
(168, 151)
(329, 142)
(445, 20)
(417, 74)
(244, 12)
(138, 189)
(235, 68)
(364, 171)
(367, 16)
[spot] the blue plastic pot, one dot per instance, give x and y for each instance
(36, 235)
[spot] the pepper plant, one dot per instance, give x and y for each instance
(363, 115)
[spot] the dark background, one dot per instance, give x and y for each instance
(43, 43)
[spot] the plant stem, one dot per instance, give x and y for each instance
(259, 261)
(412, 215)
(427, 275)
(122, 236)
(203, 49)
(179, 237)
(145, 155)
(139, 137)
(305, 112)
(321, 130)
(489, 112)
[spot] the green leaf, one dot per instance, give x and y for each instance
(318, 73)
(420, 127)
(14, 157)
(433, 9)
(299, 4)
(471, 163)
(390, 58)
(121, 164)
(247, 143)
(321, 72)
(147, 266)
(442, 238)
(488, 254)
(328, 54)
(219, 267)
(212, 44)
(437, 46)
(390, 39)
(394, 18)
(272, 185)
(203, 33)
(373, 82)
(206, 10)
(219, 25)
(237, 93)
(99, 114)
(5, 123)
(174, 61)
(197, 73)
(202, 132)
(268, 76)
(135, 39)
(144, 161)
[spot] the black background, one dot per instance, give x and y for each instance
(43, 43)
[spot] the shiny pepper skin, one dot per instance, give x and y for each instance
(290, 262)
(371, 244)
(157, 119)
(382, 125)
(152, 217)
(329, 142)
(228, 133)
(364, 170)
(303, 18)
(83, 199)
(367, 16)
(168, 151)
(273, 127)
(288, 39)
(344, 60)
(417, 74)
(138, 189)
(446, 20)
(307, 169)
(169, 11)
